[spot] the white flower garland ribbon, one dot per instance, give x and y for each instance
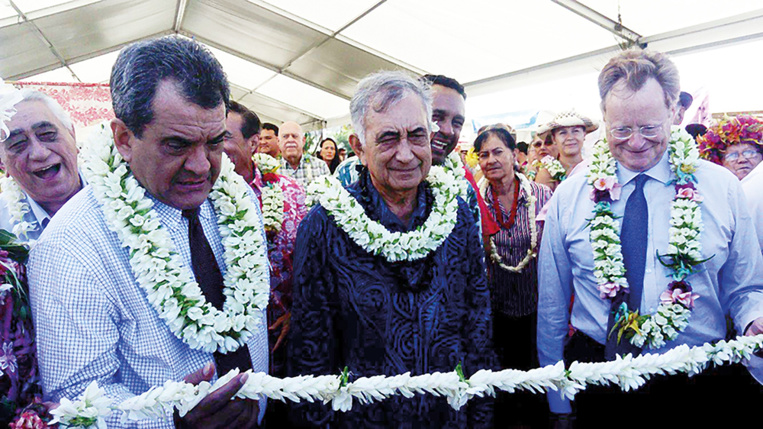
(629, 373)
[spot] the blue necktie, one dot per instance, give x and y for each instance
(633, 237)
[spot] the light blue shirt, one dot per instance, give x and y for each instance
(730, 282)
(94, 321)
(36, 215)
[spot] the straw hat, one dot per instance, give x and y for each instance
(569, 118)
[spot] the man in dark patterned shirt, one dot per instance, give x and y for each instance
(361, 311)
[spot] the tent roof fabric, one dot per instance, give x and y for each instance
(300, 60)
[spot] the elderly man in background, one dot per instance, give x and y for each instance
(638, 91)
(278, 192)
(269, 140)
(100, 315)
(303, 167)
(416, 308)
(40, 160)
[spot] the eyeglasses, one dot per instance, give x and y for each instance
(646, 131)
(748, 154)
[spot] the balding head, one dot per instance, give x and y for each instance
(291, 140)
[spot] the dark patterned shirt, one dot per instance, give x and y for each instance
(357, 310)
(516, 294)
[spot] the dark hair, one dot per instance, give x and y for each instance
(141, 66)
(448, 82)
(271, 127)
(497, 130)
(334, 163)
(523, 146)
(251, 123)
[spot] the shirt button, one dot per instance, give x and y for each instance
(649, 271)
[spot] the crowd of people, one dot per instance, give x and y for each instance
(154, 257)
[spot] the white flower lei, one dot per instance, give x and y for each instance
(272, 193)
(684, 249)
(170, 286)
(629, 373)
(11, 191)
(373, 237)
(553, 166)
(454, 166)
(17, 208)
(524, 183)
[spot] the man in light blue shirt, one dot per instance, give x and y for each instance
(94, 321)
(639, 91)
(40, 157)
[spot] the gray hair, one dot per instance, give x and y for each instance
(635, 67)
(380, 90)
(55, 108)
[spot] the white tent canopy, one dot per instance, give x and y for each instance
(301, 59)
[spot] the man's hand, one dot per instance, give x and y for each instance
(755, 328)
(217, 410)
(285, 322)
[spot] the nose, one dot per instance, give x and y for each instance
(197, 161)
(38, 151)
(637, 142)
(404, 154)
(445, 128)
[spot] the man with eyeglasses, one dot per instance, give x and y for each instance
(618, 274)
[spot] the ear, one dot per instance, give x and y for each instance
(254, 143)
(358, 148)
(122, 139)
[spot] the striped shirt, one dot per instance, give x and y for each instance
(515, 294)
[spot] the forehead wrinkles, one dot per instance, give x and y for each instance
(199, 125)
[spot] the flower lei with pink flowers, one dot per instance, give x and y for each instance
(682, 256)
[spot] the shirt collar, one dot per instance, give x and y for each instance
(659, 172)
(172, 217)
(40, 215)
(523, 195)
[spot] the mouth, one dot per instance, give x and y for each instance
(192, 184)
(439, 145)
(48, 172)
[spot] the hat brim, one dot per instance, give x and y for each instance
(570, 121)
